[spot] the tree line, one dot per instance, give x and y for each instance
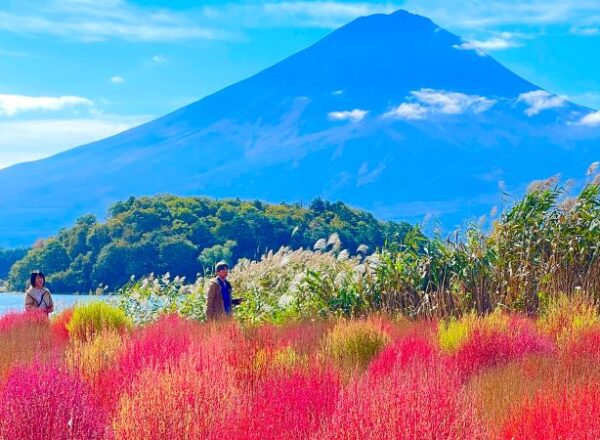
(185, 236)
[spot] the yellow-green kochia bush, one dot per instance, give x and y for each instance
(351, 345)
(92, 318)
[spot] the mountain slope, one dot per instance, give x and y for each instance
(387, 113)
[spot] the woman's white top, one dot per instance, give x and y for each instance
(40, 295)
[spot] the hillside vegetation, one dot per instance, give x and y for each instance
(186, 236)
(8, 257)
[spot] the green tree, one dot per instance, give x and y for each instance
(112, 266)
(178, 256)
(8, 257)
(219, 252)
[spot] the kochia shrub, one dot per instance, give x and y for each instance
(401, 353)
(490, 348)
(287, 405)
(94, 317)
(455, 332)
(351, 345)
(159, 346)
(281, 359)
(566, 317)
(89, 358)
(422, 400)
(560, 415)
(179, 404)
(24, 337)
(60, 322)
(40, 402)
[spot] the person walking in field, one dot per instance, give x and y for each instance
(219, 301)
(38, 297)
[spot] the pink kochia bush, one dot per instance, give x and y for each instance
(489, 348)
(572, 415)
(188, 401)
(43, 401)
(403, 351)
(158, 346)
(60, 322)
(410, 392)
(585, 346)
(13, 321)
(24, 337)
(285, 406)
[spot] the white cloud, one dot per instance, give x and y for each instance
(117, 80)
(585, 31)
(355, 115)
(158, 59)
(478, 15)
(26, 140)
(470, 46)
(10, 53)
(101, 20)
(11, 105)
(452, 103)
(88, 20)
(539, 100)
(337, 92)
(367, 175)
(591, 119)
(430, 101)
(325, 14)
(483, 46)
(588, 99)
(408, 111)
(322, 14)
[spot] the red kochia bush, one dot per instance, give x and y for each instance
(411, 348)
(24, 337)
(45, 402)
(158, 346)
(488, 348)
(303, 337)
(183, 403)
(586, 346)
(420, 400)
(570, 415)
(285, 406)
(59, 323)
(13, 321)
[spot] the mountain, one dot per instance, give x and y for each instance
(389, 113)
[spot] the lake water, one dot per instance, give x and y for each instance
(14, 302)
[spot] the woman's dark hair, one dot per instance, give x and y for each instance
(34, 275)
(221, 265)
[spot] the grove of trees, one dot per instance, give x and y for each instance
(186, 236)
(8, 257)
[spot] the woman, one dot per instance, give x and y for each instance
(37, 296)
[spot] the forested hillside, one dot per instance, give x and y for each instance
(8, 257)
(186, 236)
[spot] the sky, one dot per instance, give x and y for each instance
(75, 71)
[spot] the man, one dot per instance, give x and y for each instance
(219, 301)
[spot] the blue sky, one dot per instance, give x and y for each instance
(73, 71)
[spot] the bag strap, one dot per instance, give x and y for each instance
(42, 300)
(39, 303)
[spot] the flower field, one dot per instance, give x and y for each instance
(91, 374)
